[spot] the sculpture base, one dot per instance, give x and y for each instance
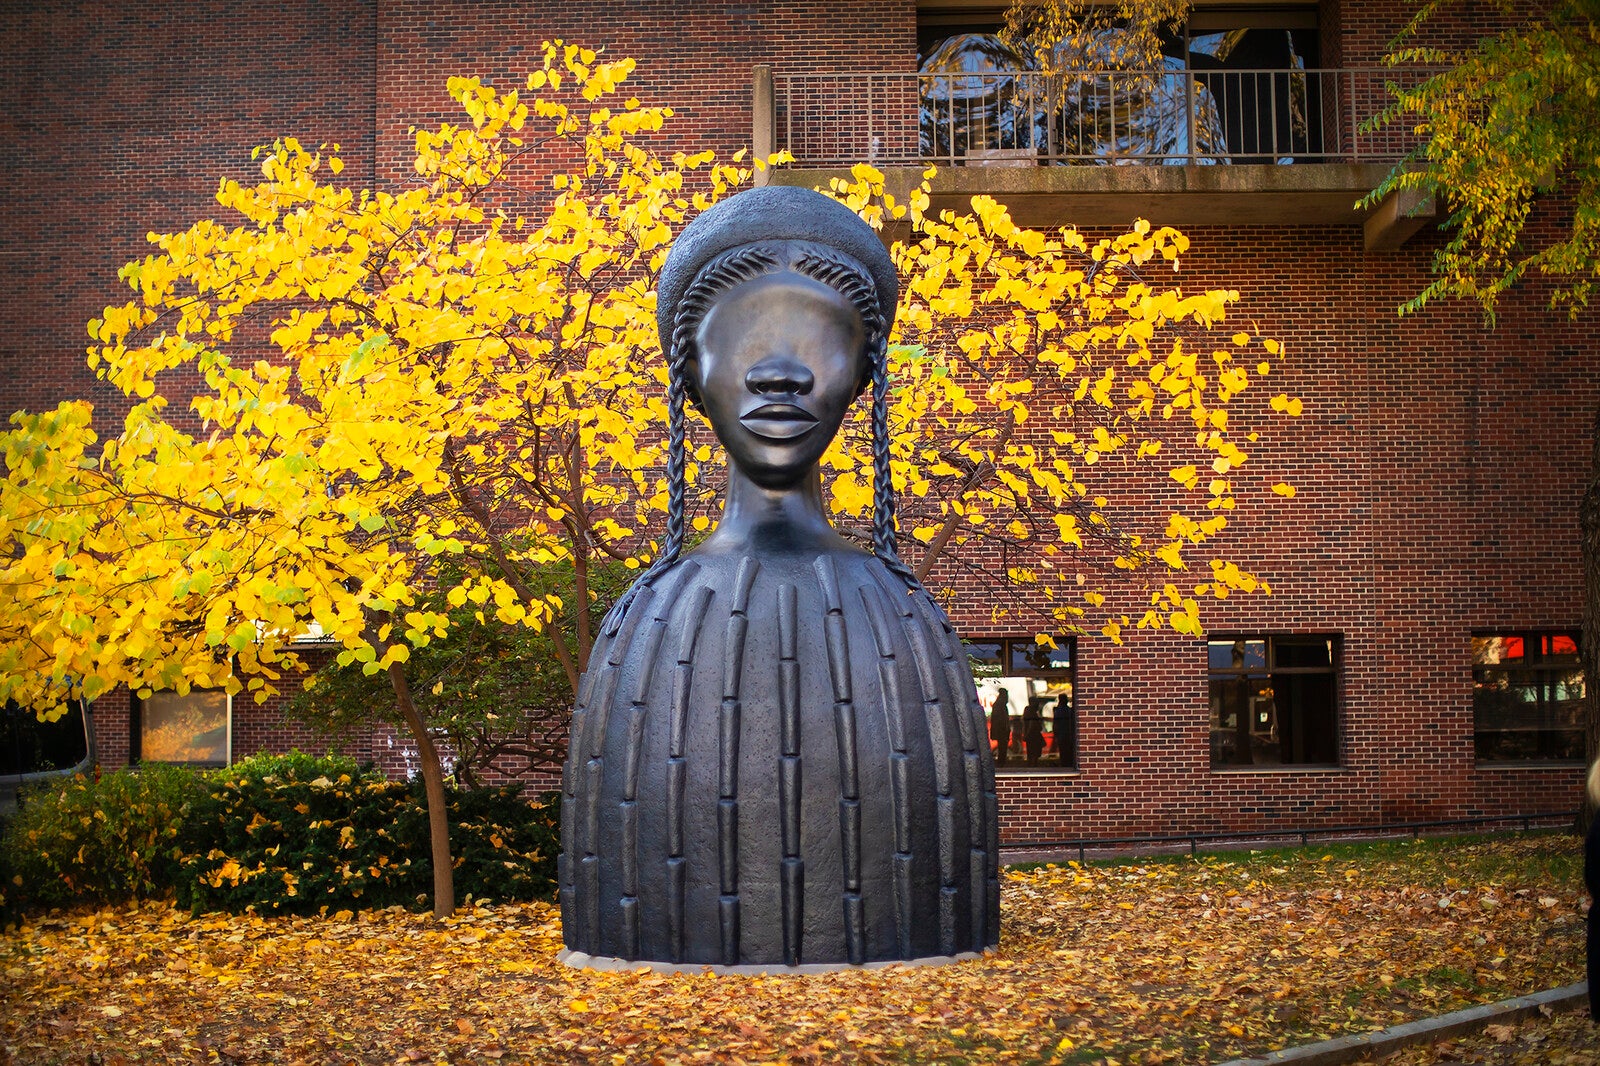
(579, 960)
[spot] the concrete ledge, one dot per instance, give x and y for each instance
(1300, 194)
(1386, 1041)
(1394, 221)
(582, 961)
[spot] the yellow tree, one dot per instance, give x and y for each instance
(1073, 35)
(1037, 377)
(455, 390)
(387, 380)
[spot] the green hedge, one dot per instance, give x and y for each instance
(275, 833)
(100, 841)
(347, 843)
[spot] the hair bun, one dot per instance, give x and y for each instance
(771, 213)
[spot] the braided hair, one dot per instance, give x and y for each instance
(733, 267)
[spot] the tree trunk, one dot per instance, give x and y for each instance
(1589, 644)
(444, 882)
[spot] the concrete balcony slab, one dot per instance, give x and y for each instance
(1299, 194)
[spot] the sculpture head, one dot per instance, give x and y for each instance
(773, 341)
(774, 308)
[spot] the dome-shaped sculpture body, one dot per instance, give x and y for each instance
(778, 758)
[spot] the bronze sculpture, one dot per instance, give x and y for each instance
(777, 757)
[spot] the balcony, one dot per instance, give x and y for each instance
(1258, 147)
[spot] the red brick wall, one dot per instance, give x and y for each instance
(1438, 465)
(121, 119)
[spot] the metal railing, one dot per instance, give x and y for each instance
(1175, 116)
(1159, 844)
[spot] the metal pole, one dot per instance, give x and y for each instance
(1188, 93)
(871, 153)
(1350, 96)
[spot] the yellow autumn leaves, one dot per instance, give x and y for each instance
(465, 368)
(1029, 362)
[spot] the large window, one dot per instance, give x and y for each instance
(1026, 690)
(1527, 697)
(1232, 85)
(1274, 700)
(194, 729)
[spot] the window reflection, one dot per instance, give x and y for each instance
(1527, 697)
(192, 728)
(1230, 88)
(1274, 701)
(1026, 692)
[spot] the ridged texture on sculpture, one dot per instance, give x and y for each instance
(847, 816)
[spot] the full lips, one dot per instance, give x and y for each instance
(778, 421)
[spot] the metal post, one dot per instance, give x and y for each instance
(1188, 93)
(1350, 95)
(950, 129)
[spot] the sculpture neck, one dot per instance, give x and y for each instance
(773, 519)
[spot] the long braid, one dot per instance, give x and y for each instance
(721, 274)
(884, 541)
(847, 278)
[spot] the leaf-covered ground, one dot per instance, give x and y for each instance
(1166, 961)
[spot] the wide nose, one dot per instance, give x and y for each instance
(781, 374)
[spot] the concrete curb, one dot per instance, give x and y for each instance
(1386, 1041)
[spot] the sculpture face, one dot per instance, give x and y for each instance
(779, 360)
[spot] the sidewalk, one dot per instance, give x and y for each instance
(1360, 1046)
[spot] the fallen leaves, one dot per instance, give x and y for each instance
(1163, 962)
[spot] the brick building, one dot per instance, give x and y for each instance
(1415, 661)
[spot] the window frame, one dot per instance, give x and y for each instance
(1269, 638)
(136, 721)
(1543, 672)
(1067, 674)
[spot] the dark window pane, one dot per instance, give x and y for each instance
(1243, 719)
(1238, 654)
(1308, 730)
(1528, 745)
(1302, 651)
(1503, 699)
(1527, 697)
(29, 746)
(1026, 655)
(1278, 718)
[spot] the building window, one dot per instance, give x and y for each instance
(1026, 691)
(1230, 86)
(30, 746)
(1527, 697)
(1274, 701)
(196, 729)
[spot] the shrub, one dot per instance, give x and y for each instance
(102, 841)
(291, 832)
(294, 765)
(303, 845)
(504, 845)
